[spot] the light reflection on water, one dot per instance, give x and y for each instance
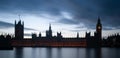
(38, 52)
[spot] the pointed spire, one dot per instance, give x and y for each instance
(19, 22)
(60, 33)
(39, 34)
(77, 35)
(50, 26)
(98, 22)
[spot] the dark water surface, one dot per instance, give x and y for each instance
(39, 52)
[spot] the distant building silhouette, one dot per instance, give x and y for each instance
(90, 40)
(59, 36)
(112, 41)
(19, 30)
(77, 35)
(5, 42)
(34, 36)
(49, 32)
(40, 35)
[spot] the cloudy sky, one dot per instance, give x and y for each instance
(66, 16)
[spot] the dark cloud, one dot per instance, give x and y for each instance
(68, 21)
(4, 25)
(30, 29)
(28, 6)
(110, 28)
(85, 11)
(77, 30)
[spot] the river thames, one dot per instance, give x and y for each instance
(43, 52)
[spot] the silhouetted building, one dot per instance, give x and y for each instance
(95, 41)
(59, 40)
(8, 37)
(2, 37)
(34, 36)
(59, 36)
(49, 32)
(5, 42)
(90, 40)
(112, 41)
(39, 35)
(99, 28)
(19, 30)
(98, 34)
(77, 35)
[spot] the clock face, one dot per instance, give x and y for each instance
(99, 27)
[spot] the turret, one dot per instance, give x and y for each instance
(19, 30)
(77, 35)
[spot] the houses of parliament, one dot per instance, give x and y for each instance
(58, 41)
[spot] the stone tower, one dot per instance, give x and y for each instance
(19, 30)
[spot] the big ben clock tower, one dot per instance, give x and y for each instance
(99, 28)
(98, 34)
